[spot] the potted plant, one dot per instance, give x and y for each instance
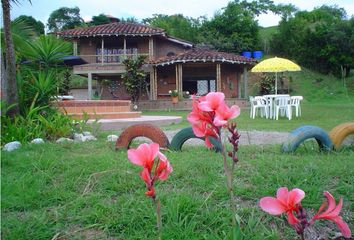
(174, 96)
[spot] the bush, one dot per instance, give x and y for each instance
(37, 123)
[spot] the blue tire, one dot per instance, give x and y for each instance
(299, 135)
(187, 133)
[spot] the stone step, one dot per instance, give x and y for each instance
(92, 106)
(105, 115)
(94, 109)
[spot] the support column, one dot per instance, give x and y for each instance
(218, 77)
(239, 93)
(89, 84)
(179, 79)
(153, 84)
(151, 48)
(245, 82)
(102, 51)
(75, 48)
(125, 47)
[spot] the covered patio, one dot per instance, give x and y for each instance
(200, 71)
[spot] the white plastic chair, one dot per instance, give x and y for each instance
(258, 103)
(295, 102)
(282, 104)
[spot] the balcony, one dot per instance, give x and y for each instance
(105, 63)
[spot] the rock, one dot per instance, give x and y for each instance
(62, 140)
(112, 138)
(86, 133)
(88, 138)
(12, 146)
(37, 141)
(78, 137)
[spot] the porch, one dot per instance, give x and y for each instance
(199, 79)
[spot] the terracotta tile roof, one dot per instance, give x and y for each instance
(116, 28)
(202, 55)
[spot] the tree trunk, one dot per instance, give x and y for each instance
(9, 80)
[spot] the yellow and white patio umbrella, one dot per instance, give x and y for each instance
(276, 65)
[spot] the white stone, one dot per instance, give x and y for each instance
(78, 137)
(62, 140)
(112, 138)
(88, 138)
(37, 141)
(86, 133)
(12, 146)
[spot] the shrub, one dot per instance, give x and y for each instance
(36, 123)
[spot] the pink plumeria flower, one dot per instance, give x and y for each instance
(332, 214)
(285, 202)
(145, 155)
(212, 101)
(224, 114)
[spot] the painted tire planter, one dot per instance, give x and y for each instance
(150, 131)
(299, 135)
(187, 133)
(340, 132)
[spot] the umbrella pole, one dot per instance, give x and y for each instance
(276, 83)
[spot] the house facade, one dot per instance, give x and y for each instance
(171, 63)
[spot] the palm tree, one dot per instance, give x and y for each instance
(8, 78)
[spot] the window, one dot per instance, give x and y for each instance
(199, 86)
(114, 54)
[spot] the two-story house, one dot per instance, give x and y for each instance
(171, 63)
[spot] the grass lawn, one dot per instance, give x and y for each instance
(89, 191)
(325, 115)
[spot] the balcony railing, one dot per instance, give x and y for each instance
(110, 58)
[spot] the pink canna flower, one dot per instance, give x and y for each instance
(224, 113)
(205, 130)
(332, 214)
(212, 101)
(145, 156)
(197, 115)
(285, 202)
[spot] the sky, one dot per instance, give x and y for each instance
(41, 9)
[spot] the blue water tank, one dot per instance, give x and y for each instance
(247, 54)
(257, 54)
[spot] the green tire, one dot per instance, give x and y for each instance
(187, 133)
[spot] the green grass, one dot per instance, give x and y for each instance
(53, 189)
(325, 115)
(316, 87)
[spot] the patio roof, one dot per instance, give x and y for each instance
(111, 29)
(203, 55)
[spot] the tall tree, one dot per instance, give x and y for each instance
(177, 25)
(320, 39)
(99, 20)
(8, 76)
(65, 18)
(37, 26)
(233, 29)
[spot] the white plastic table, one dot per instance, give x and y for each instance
(270, 99)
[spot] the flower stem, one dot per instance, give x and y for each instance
(229, 176)
(158, 216)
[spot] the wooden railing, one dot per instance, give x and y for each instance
(110, 58)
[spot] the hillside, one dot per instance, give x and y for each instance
(317, 87)
(313, 86)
